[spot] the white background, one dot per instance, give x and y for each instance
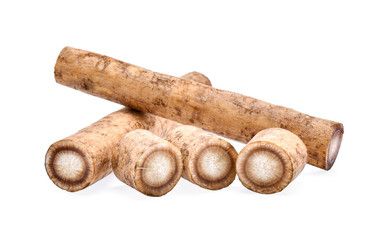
(325, 58)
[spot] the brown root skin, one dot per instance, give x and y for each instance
(226, 113)
(197, 77)
(147, 163)
(271, 160)
(208, 160)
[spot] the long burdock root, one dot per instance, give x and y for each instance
(147, 163)
(271, 160)
(226, 113)
(208, 160)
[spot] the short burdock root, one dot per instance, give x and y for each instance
(84, 158)
(147, 163)
(226, 113)
(209, 161)
(271, 160)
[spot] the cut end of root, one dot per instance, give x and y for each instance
(264, 167)
(212, 165)
(69, 166)
(334, 147)
(159, 170)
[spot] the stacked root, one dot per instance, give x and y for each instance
(280, 141)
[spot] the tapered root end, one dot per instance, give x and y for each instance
(334, 147)
(264, 167)
(212, 164)
(159, 169)
(69, 166)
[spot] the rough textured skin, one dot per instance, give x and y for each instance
(197, 77)
(287, 146)
(226, 113)
(192, 141)
(132, 151)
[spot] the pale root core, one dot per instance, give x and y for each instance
(213, 163)
(158, 168)
(264, 168)
(69, 165)
(334, 147)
